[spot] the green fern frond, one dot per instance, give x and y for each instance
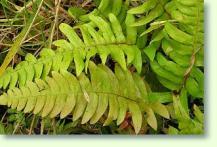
(102, 38)
(89, 99)
(33, 68)
(180, 36)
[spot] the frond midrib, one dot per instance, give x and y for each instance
(68, 93)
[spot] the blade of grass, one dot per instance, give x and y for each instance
(54, 24)
(19, 40)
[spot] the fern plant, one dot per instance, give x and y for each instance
(165, 35)
(64, 94)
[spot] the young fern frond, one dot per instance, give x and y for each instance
(102, 38)
(181, 42)
(64, 94)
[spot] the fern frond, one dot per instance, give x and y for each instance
(180, 36)
(33, 68)
(102, 38)
(64, 94)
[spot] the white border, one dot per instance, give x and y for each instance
(209, 139)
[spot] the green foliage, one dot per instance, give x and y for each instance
(187, 125)
(154, 10)
(178, 32)
(105, 7)
(126, 65)
(64, 94)
(102, 38)
(33, 68)
(111, 42)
